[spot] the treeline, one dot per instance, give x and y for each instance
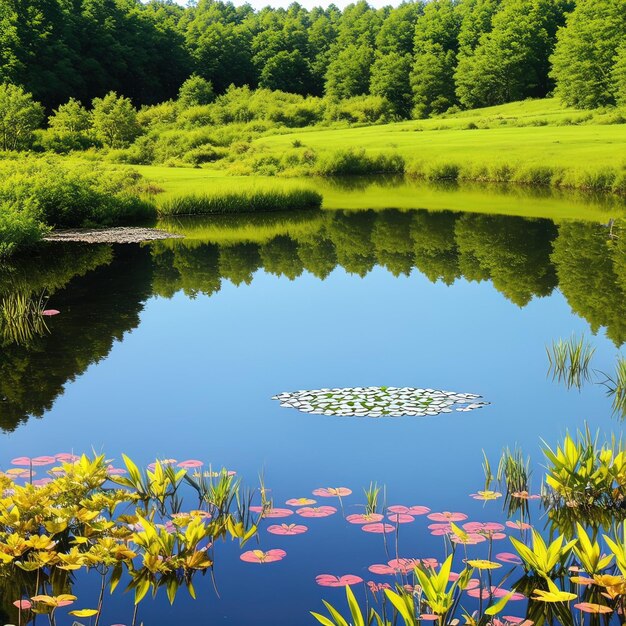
(421, 57)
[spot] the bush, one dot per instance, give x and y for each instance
(361, 110)
(18, 229)
(70, 196)
(245, 201)
(357, 161)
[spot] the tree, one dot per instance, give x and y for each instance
(436, 47)
(20, 115)
(390, 79)
(511, 62)
(195, 91)
(114, 120)
(286, 71)
(71, 117)
(585, 53)
(619, 76)
(349, 74)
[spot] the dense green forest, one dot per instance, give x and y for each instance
(422, 57)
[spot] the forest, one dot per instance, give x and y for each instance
(422, 57)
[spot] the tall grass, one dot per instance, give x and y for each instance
(616, 388)
(356, 161)
(21, 318)
(242, 201)
(604, 179)
(570, 360)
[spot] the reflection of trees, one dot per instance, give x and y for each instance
(434, 245)
(592, 275)
(100, 290)
(96, 309)
(513, 253)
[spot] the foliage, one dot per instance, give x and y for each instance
(570, 361)
(40, 192)
(585, 52)
(195, 91)
(115, 120)
(351, 161)
(18, 229)
(20, 115)
(71, 521)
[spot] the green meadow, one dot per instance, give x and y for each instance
(537, 143)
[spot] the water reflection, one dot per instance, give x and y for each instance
(100, 290)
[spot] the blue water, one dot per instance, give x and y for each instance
(194, 379)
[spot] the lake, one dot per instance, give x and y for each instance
(175, 349)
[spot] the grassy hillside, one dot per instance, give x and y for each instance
(533, 132)
(530, 134)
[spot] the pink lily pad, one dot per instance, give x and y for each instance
(447, 516)
(364, 518)
(50, 312)
(317, 511)
(404, 566)
(22, 461)
(408, 510)
(509, 557)
(23, 605)
(378, 528)
(287, 529)
(401, 518)
(328, 580)
(258, 556)
(301, 501)
(190, 463)
(273, 513)
(518, 525)
(332, 492)
(381, 568)
(40, 461)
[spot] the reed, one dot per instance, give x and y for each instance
(570, 361)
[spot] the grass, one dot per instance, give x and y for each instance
(528, 145)
(570, 360)
(358, 193)
(240, 201)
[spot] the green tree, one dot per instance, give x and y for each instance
(436, 47)
(286, 71)
(20, 115)
(585, 53)
(69, 118)
(114, 120)
(512, 61)
(349, 74)
(195, 91)
(619, 76)
(390, 79)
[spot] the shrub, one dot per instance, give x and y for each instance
(18, 229)
(68, 196)
(357, 161)
(20, 115)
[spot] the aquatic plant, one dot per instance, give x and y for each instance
(69, 521)
(570, 360)
(616, 388)
(379, 401)
(22, 318)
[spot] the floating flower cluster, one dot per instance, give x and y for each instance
(379, 401)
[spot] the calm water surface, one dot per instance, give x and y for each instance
(174, 349)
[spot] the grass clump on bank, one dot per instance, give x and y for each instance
(603, 179)
(242, 201)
